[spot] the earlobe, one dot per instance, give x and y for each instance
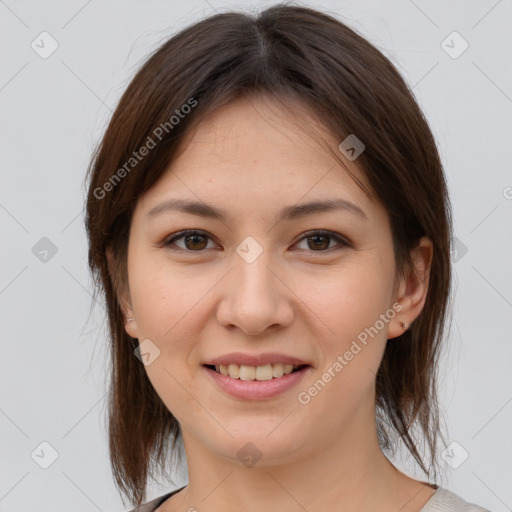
(130, 327)
(124, 302)
(400, 323)
(413, 290)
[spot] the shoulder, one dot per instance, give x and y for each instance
(442, 500)
(447, 501)
(152, 505)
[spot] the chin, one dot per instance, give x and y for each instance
(254, 446)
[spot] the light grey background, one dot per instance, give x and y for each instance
(53, 111)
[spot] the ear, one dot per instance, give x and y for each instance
(122, 295)
(412, 290)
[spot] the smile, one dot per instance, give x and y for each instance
(260, 373)
(256, 382)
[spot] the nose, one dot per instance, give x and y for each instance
(254, 298)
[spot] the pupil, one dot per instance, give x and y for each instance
(194, 238)
(316, 237)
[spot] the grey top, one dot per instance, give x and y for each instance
(442, 500)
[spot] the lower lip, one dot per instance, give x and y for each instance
(257, 389)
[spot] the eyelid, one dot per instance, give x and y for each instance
(181, 234)
(341, 241)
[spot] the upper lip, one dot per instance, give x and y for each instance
(255, 360)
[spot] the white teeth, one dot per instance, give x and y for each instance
(234, 371)
(277, 370)
(246, 372)
(265, 372)
(287, 368)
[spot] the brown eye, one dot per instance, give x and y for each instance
(197, 241)
(194, 241)
(320, 241)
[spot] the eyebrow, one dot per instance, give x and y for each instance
(288, 213)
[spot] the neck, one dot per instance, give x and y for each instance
(347, 471)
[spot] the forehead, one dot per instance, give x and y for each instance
(256, 153)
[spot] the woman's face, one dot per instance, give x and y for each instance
(253, 283)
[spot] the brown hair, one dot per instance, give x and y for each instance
(352, 88)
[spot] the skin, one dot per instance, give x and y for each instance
(251, 159)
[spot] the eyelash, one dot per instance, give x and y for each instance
(191, 232)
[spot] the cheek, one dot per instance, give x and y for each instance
(346, 300)
(177, 389)
(165, 298)
(346, 310)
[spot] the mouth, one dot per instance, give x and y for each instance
(254, 383)
(256, 373)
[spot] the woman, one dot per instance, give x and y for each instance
(269, 220)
